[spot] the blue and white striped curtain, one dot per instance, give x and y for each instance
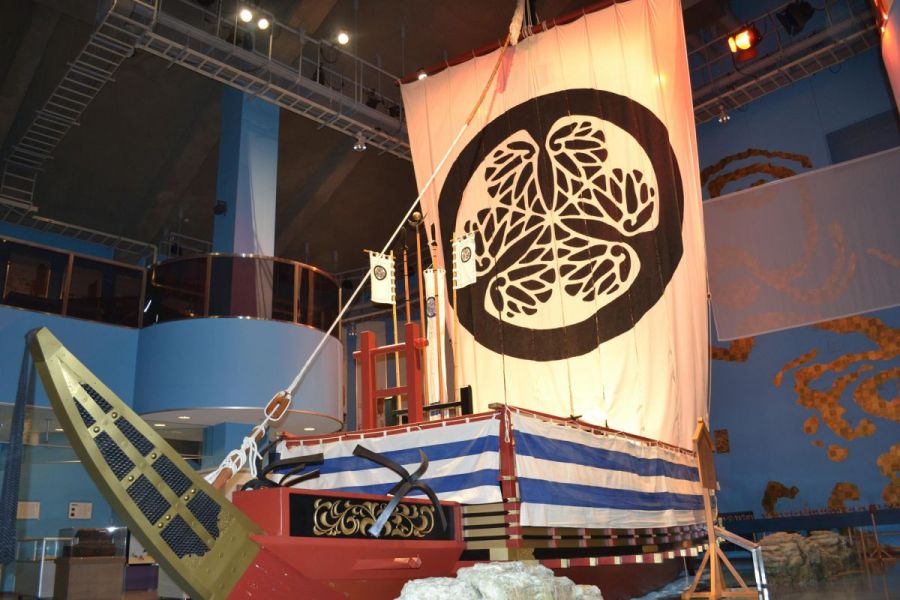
(569, 477)
(463, 462)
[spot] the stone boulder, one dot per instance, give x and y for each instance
(792, 560)
(499, 581)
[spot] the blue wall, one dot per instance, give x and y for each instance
(185, 364)
(799, 117)
(107, 350)
(765, 421)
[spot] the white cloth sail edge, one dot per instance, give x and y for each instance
(649, 379)
(436, 333)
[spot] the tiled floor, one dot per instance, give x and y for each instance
(877, 586)
(884, 586)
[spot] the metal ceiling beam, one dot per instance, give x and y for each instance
(326, 84)
(109, 45)
(25, 64)
(847, 29)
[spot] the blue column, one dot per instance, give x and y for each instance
(248, 172)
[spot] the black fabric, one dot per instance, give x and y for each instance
(182, 539)
(137, 439)
(117, 460)
(85, 415)
(206, 511)
(148, 499)
(177, 481)
(96, 397)
(9, 495)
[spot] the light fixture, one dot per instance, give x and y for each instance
(794, 17)
(246, 15)
(159, 424)
(309, 429)
(372, 100)
(421, 74)
(263, 23)
(360, 145)
(184, 417)
(343, 38)
(723, 117)
(58, 429)
(743, 43)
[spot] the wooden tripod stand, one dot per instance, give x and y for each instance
(715, 558)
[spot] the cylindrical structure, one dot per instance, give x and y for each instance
(216, 370)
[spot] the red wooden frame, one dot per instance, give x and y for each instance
(368, 352)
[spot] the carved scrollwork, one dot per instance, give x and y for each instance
(345, 517)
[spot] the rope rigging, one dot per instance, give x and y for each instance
(280, 403)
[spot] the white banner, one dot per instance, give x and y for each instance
(830, 248)
(436, 318)
(382, 275)
(579, 178)
(464, 271)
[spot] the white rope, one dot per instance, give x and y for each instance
(292, 388)
(247, 453)
(515, 26)
(248, 450)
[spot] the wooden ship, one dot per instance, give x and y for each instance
(358, 514)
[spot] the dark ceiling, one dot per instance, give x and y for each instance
(143, 160)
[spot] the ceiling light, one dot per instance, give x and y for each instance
(794, 17)
(263, 23)
(159, 424)
(343, 38)
(309, 429)
(360, 145)
(184, 417)
(724, 117)
(58, 429)
(246, 15)
(421, 74)
(743, 43)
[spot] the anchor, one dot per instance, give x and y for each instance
(407, 483)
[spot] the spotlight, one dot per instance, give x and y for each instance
(372, 100)
(343, 38)
(724, 117)
(794, 17)
(360, 145)
(246, 15)
(743, 43)
(263, 23)
(394, 111)
(421, 74)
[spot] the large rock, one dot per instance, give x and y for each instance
(500, 581)
(794, 560)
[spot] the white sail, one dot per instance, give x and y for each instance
(579, 178)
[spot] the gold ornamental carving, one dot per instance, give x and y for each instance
(346, 517)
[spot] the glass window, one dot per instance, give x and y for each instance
(32, 277)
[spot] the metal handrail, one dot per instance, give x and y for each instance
(202, 295)
(303, 265)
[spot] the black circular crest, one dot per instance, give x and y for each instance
(430, 307)
(379, 272)
(466, 254)
(641, 260)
